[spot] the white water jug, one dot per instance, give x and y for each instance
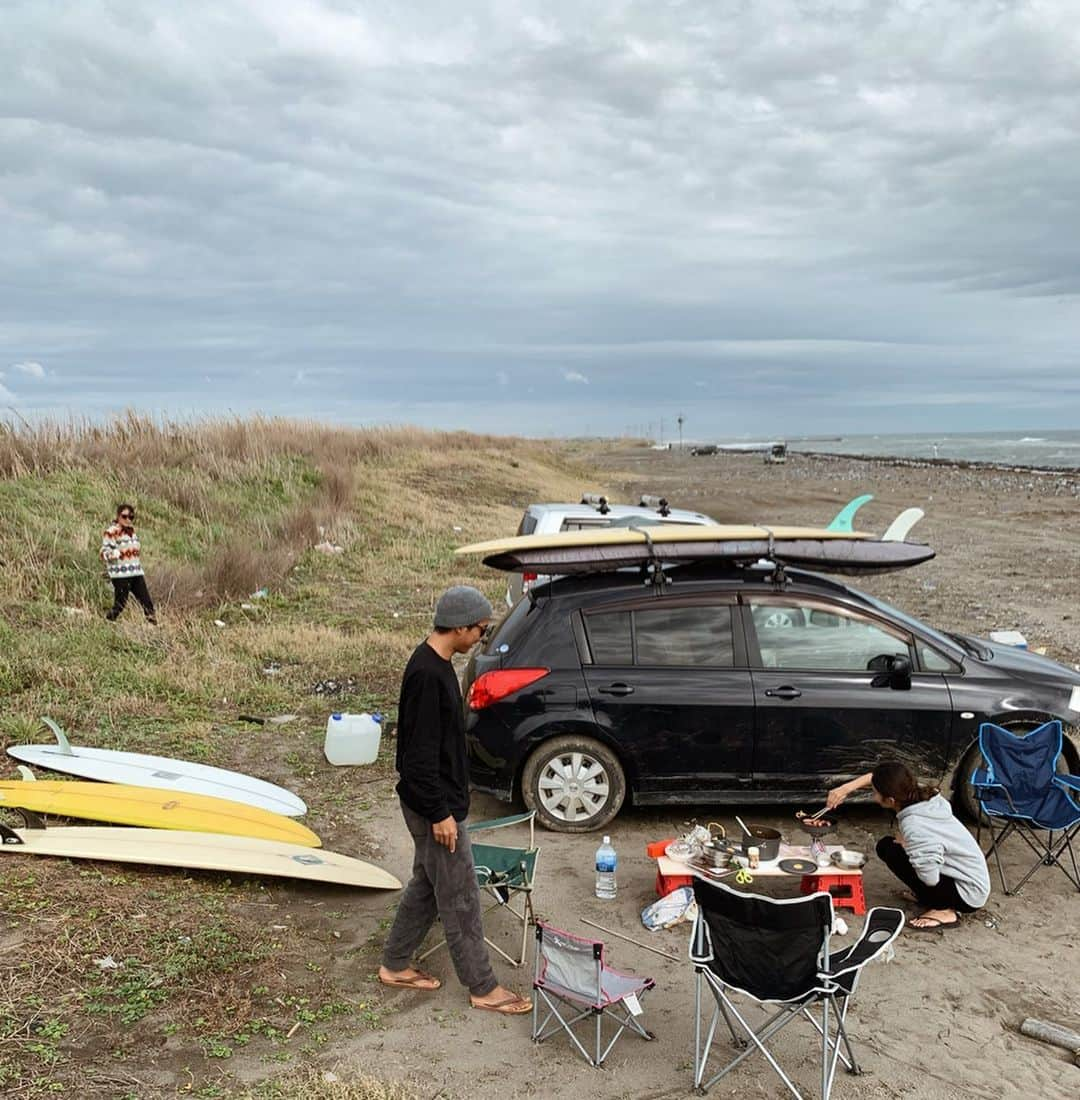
(352, 738)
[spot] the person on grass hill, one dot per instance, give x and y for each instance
(934, 855)
(434, 793)
(120, 552)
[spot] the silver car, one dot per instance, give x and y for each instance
(593, 512)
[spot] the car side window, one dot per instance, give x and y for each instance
(610, 639)
(797, 636)
(689, 636)
(930, 660)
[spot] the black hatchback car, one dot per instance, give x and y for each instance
(733, 686)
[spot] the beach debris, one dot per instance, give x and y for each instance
(219, 622)
(271, 668)
(346, 686)
(327, 547)
(636, 943)
(260, 593)
(107, 963)
(1054, 1034)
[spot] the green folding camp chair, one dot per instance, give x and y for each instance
(506, 876)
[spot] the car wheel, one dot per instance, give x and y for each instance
(574, 784)
(963, 793)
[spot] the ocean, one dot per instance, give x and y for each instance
(1056, 449)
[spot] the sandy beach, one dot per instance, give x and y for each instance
(941, 1019)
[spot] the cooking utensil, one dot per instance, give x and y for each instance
(817, 813)
(742, 824)
(798, 866)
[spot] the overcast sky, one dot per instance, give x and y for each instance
(545, 217)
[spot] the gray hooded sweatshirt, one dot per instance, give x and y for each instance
(937, 844)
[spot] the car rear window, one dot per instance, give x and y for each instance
(686, 636)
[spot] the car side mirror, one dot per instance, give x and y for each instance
(892, 672)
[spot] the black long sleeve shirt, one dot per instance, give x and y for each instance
(431, 757)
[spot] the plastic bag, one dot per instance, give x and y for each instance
(671, 909)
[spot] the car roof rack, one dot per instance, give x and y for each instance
(600, 503)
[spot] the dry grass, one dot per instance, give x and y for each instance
(226, 508)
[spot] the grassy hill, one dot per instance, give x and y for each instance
(225, 508)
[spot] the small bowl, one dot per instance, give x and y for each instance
(849, 859)
(679, 851)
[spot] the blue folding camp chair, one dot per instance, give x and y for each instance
(1020, 788)
(505, 875)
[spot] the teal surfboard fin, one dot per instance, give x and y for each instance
(842, 520)
(61, 737)
(901, 526)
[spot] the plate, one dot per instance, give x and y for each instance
(679, 851)
(836, 861)
(798, 866)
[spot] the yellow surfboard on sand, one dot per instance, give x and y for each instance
(152, 808)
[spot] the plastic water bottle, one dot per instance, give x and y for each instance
(605, 870)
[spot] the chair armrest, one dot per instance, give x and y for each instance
(499, 822)
(882, 926)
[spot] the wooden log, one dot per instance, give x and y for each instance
(1054, 1034)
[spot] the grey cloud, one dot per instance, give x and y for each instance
(269, 190)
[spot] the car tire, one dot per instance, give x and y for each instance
(574, 783)
(964, 802)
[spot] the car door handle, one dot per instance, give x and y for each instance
(784, 693)
(617, 689)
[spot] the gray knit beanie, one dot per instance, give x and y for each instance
(462, 605)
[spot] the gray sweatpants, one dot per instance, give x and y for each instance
(442, 885)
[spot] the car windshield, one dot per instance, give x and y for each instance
(910, 621)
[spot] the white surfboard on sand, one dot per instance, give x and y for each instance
(140, 770)
(204, 851)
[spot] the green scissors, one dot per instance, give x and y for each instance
(743, 877)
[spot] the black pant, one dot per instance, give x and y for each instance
(942, 895)
(134, 586)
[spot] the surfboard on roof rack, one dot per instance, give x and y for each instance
(816, 548)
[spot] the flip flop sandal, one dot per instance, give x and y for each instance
(937, 926)
(415, 982)
(509, 1006)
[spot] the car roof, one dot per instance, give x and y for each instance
(616, 511)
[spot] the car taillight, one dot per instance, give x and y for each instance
(498, 684)
(528, 580)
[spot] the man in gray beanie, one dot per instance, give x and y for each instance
(434, 793)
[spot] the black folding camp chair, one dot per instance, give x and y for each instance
(1020, 789)
(575, 985)
(776, 952)
(505, 876)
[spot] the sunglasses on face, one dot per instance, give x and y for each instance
(485, 631)
(127, 515)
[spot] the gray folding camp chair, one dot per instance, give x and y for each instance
(576, 984)
(505, 874)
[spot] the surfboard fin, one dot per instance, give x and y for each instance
(26, 773)
(842, 520)
(61, 737)
(900, 527)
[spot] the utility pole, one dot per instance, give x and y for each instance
(679, 421)
(661, 431)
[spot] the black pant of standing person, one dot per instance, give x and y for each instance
(131, 586)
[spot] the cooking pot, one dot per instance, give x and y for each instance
(766, 840)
